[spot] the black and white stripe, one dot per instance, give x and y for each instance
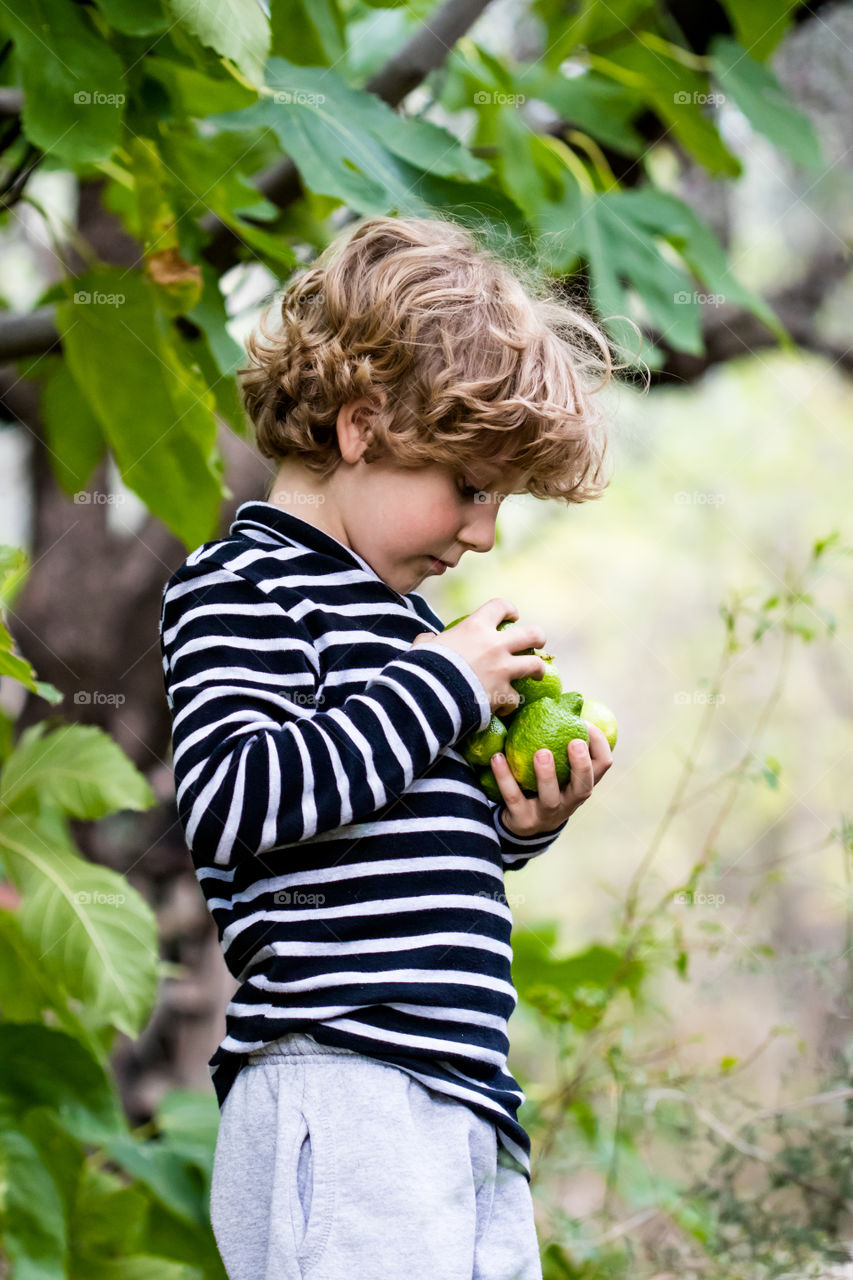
(353, 866)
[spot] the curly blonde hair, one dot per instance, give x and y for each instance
(464, 352)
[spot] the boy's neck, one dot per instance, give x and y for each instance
(302, 493)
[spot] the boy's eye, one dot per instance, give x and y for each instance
(468, 490)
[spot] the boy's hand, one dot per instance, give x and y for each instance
(534, 815)
(492, 654)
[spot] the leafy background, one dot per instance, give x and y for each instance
(683, 953)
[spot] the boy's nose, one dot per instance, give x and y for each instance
(479, 534)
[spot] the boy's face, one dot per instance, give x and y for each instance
(398, 519)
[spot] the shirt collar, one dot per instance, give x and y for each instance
(288, 528)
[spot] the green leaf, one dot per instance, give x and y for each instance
(273, 248)
(765, 103)
(156, 415)
(590, 101)
(482, 208)
(134, 17)
(14, 566)
(321, 28)
(31, 1210)
(590, 24)
(760, 24)
(675, 92)
(346, 142)
(26, 987)
(535, 174)
(166, 1173)
(73, 82)
(665, 215)
(78, 768)
(190, 1118)
(95, 932)
(575, 988)
(17, 669)
(75, 442)
(138, 1267)
(205, 174)
(108, 1220)
(42, 1067)
(236, 29)
(822, 544)
(585, 1117)
(222, 386)
(770, 771)
(195, 94)
(618, 250)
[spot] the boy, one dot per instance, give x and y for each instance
(353, 866)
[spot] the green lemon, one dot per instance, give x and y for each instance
(603, 717)
(479, 747)
(547, 723)
(530, 689)
(489, 783)
(574, 701)
(507, 622)
(455, 620)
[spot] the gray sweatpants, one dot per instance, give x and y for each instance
(334, 1166)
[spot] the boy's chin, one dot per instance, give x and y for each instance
(407, 579)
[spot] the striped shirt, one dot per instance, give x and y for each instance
(351, 862)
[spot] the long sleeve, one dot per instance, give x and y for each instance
(517, 851)
(256, 764)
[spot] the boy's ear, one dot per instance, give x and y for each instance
(354, 424)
